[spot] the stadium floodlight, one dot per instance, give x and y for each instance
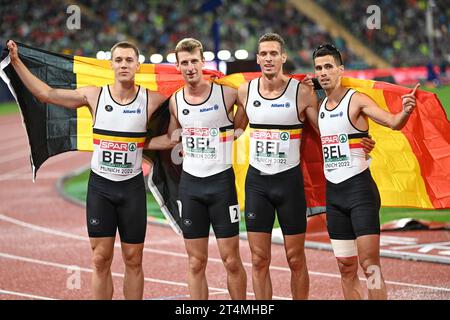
(171, 58)
(108, 55)
(156, 58)
(224, 55)
(141, 58)
(241, 54)
(101, 55)
(209, 56)
(223, 67)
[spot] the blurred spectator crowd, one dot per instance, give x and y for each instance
(157, 26)
(403, 37)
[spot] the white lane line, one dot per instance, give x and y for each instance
(183, 255)
(114, 274)
(26, 295)
(88, 270)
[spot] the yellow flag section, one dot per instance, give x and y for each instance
(241, 146)
(89, 72)
(394, 167)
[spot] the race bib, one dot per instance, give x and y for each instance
(201, 143)
(270, 146)
(336, 151)
(117, 157)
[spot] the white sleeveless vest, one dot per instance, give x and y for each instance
(120, 131)
(275, 129)
(342, 152)
(207, 133)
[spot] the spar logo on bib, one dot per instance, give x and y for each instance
(284, 136)
(214, 132)
(343, 138)
(113, 145)
(132, 146)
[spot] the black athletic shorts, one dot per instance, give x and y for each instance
(209, 201)
(113, 205)
(353, 207)
(282, 192)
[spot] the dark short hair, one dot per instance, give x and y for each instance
(272, 37)
(125, 45)
(327, 49)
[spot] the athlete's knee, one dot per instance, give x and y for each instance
(232, 263)
(348, 267)
(132, 257)
(260, 261)
(101, 261)
(296, 260)
(370, 265)
(197, 264)
(133, 261)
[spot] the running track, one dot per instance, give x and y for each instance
(43, 238)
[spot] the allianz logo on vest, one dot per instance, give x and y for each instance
(137, 111)
(215, 107)
(281, 105)
(340, 114)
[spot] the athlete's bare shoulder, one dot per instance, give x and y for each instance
(91, 94)
(242, 94)
(229, 95)
(361, 100)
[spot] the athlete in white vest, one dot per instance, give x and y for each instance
(207, 132)
(275, 107)
(119, 133)
(275, 128)
(353, 200)
(202, 113)
(116, 197)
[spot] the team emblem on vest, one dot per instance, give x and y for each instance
(256, 103)
(185, 112)
(287, 104)
(108, 108)
(322, 115)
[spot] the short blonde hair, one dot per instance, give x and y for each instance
(189, 45)
(125, 45)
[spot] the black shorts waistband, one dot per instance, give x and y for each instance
(365, 175)
(287, 173)
(221, 175)
(98, 178)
